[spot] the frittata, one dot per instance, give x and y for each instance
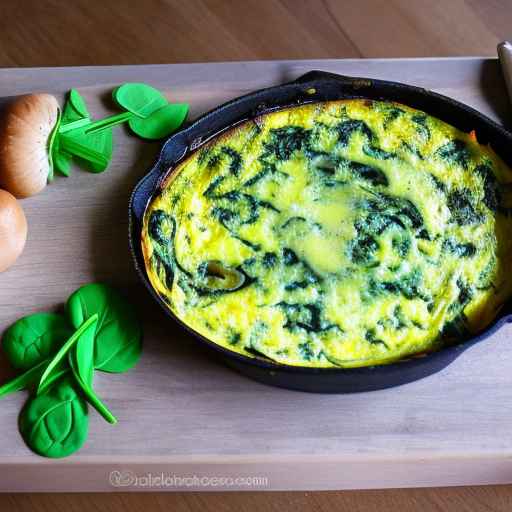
(346, 233)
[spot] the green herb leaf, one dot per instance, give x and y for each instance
(88, 390)
(23, 381)
(81, 360)
(118, 333)
(55, 364)
(62, 163)
(95, 148)
(74, 109)
(59, 371)
(161, 123)
(78, 103)
(55, 424)
(34, 338)
(84, 354)
(140, 99)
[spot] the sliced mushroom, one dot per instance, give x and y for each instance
(219, 277)
(25, 132)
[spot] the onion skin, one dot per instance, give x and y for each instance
(13, 230)
(24, 132)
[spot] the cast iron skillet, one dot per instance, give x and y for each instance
(312, 87)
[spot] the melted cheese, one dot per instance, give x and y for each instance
(345, 233)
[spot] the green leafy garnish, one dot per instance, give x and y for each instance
(25, 380)
(53, 365)
(81, 360)
(34, 338)
(55, 424)
(62, 162)
(117, 344)
(161, 122)
(75, 110)
(77, 103)
(140, 99)
(77, 136)
(94, 148)
(59, 355)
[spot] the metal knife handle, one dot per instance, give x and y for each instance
(505, 55)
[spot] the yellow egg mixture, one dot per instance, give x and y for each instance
(345, 233)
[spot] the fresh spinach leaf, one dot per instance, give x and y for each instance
(61, 363)
(34, 338)
(78, 103)
(160, 123)
(118, 334)
(55, 424)
(140, 99)
(24, 380)
(59, 371)
(55, 365)
(74, 109)
(81, 361)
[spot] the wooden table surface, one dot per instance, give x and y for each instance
(43, 33)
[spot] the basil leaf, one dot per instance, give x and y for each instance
(160, 123)
(34, 338)
(140, 99)
(117, 345)
(56, 423)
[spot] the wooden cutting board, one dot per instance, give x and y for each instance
(186, 422)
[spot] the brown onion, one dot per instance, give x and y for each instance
(13, 230)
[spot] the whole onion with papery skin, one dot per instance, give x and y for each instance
(13, 230)
(25, 131)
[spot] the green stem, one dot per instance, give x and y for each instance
(24, 380)
(103, 124)
(95, 126)
(51, 141)
(64, 349)
(51, 379)
(91, 396)
(97, 403)
(74, 124)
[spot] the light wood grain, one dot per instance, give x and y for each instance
(476, 499)
(182, 413)
(43, 33)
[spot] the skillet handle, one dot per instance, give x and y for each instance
(325, 76)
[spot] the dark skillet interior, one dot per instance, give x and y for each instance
(314, 87)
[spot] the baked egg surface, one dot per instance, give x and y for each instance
(335, 234)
